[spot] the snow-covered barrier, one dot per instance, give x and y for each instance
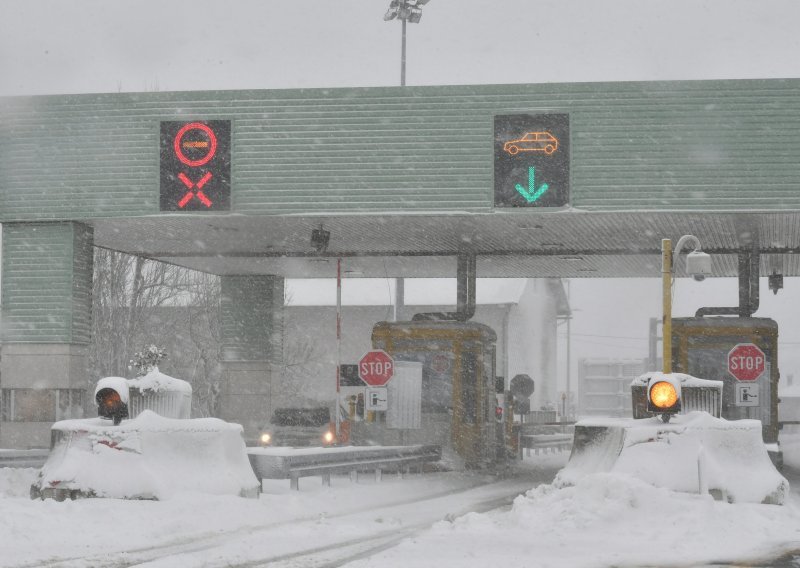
(695, 453)
(148, 457)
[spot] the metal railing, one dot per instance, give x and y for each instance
(23, 458)
(296, 463)
(544, 437)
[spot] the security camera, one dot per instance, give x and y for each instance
(775, 282)
(698, 265)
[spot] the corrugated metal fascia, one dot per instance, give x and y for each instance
(616, 174)
(38, 302)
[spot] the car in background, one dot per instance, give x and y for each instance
(303, 427)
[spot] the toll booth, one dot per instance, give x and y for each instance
(720, 348)
(458, 382)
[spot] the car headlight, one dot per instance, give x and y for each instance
(265, 439)
(328, 437)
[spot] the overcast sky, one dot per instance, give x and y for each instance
(71, 46)
(75, 46)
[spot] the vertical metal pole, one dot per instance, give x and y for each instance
(403, 57)
(666, 282)
(569, 360)
(652, 342)
(338, 341)
(399, 297)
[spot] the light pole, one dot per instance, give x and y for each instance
(405, 11)
(698, 265)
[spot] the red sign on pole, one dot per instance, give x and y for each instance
(376, 368)
(746, 362)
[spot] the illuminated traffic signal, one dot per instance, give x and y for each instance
(531, 160)
(195, 166)
(110, 405)
(664, 396)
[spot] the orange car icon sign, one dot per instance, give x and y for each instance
(532, 142)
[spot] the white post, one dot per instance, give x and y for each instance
(702, 481)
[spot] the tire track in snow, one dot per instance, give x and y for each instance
(204, 543)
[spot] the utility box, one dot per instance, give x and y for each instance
(708, 348)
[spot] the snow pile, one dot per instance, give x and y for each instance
(16, 482)
(119, 384)
(790, 445)
(606, 519)
(149, 457)
(684, 380)
(157, 381)
(603, 520)
(694, 453)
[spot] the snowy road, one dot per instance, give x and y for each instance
(430, 521)
(313, 528)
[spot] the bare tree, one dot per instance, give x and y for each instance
(302, 357)
(138, 302)
(205, 334)
(125, 292)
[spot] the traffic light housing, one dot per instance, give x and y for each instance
(110, 405)
(664, 396)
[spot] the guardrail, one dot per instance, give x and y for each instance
(544, 437)
(23, 458)
(294, 463)
(544, 443)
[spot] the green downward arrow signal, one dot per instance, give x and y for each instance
(532, 194)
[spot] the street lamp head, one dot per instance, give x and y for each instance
(405, 10)
(392, 12)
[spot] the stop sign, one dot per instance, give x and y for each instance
(376, 368)
(746, 362)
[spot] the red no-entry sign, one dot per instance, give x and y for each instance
(195, 165)
(746, 362)
(376, 368)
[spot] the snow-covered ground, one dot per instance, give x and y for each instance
(606, 519)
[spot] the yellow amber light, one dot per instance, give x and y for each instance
(663, 395)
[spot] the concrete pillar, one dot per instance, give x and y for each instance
(45, 328)
(252, 348)
(532, 339)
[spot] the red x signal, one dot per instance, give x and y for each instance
(190, 185)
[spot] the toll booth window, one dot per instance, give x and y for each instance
(469, 387)
(437, 376)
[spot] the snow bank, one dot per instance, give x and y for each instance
(694, 453)
(149, 457)
(605, 519)
(16, 482)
